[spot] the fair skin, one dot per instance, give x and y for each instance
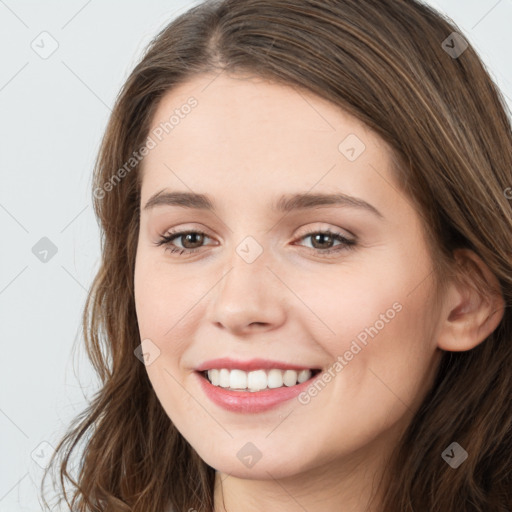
(246, 143)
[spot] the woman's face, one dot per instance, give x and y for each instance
(261, 283)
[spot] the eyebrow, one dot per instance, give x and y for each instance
(285, 203)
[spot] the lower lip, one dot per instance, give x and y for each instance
(248, 401)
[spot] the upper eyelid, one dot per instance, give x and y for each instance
(343, 231)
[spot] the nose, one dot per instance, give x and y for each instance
(248, 297)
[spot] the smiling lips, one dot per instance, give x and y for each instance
(252, 386)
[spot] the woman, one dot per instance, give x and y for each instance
(304, 296)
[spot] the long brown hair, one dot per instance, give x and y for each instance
(391, 64)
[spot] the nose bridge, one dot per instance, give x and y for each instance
(245, 272)
(247, 292)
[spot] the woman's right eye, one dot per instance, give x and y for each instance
(168, 239)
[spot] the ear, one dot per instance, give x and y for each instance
(473, 304)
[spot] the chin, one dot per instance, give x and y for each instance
(242, 459)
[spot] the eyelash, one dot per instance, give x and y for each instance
(346, 244)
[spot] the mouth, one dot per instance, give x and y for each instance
(257, 380)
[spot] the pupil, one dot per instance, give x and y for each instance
(322, 235)
(193, 235)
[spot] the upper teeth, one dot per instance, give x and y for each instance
(258, 379)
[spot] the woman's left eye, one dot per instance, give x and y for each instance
(197, 238)
(326, 237)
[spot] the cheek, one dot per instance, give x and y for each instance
(167, 309)
(383, 355)
(376, 322)
(162, 296)
(159, 308)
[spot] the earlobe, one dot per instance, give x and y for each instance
(473, 304)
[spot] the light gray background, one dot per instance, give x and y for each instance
(53, 114)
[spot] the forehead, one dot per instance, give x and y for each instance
(245, 133)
